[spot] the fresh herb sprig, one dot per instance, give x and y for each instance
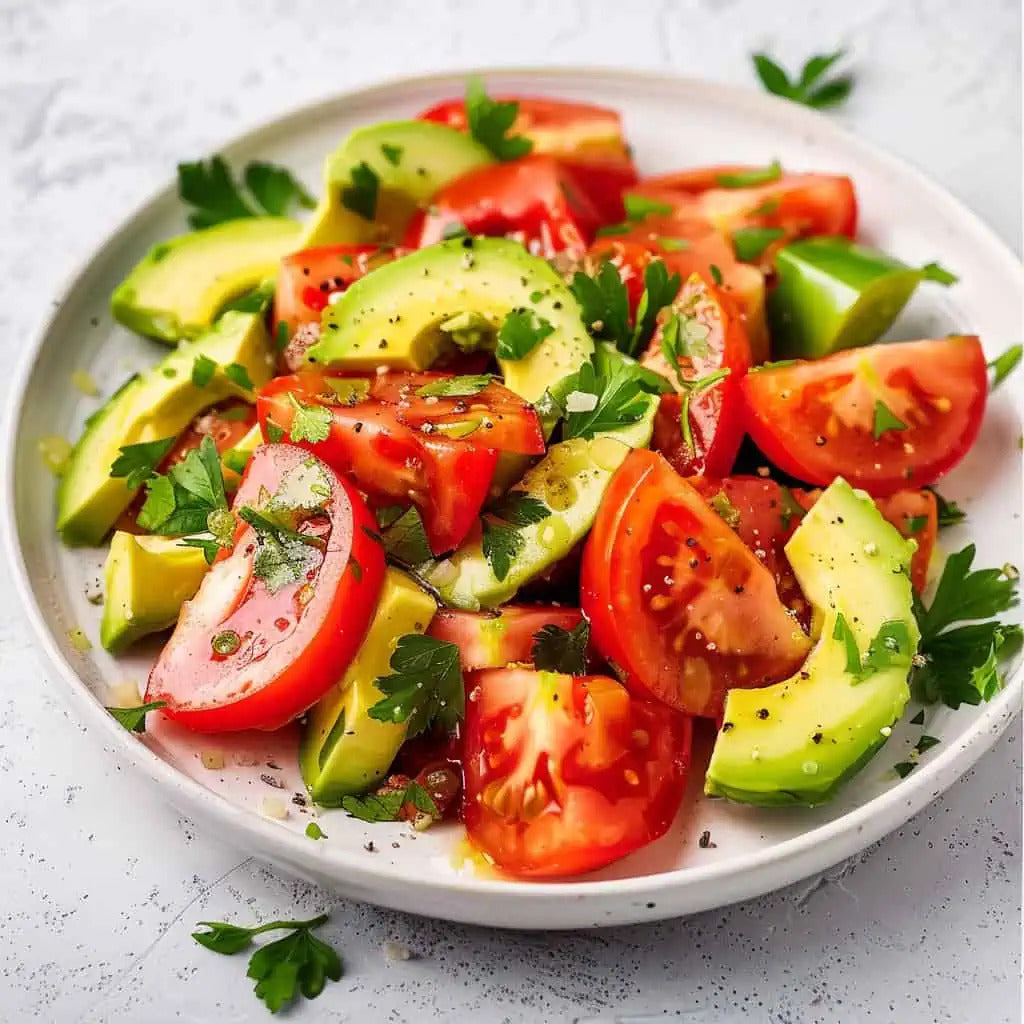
(562, 650)
(520, 333)
(490, 122)
(387, 805)
(618, 399)
(501, 539)
(811, 87)
(134, 719)
(137, 463)
(298, 964)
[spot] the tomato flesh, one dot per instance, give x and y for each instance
(822, 419)
(446, 479)
(565, 774)
(293, 638)
(500, 638)
(676, 601)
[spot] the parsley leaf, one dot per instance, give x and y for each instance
(750, 243)
(138, 462)
(501, 540)
(562, 650)
(184, 500)
(393, 154)
(659, 291)
(811, 88)
(255, 300)
(386, 805)
(620, 400)
(297, 963)
(216, 196)
(844, 634)
(1002, 366)
(725, 509)
(283, 555)
(604, 304)
(405, 540)
(638, 207)
(425, 685)
(360, 195)
(890, 645)
(238, 374)
(747, 179)
(960, 663)
(310, 422)
(915, 524)
(938, 274)
(522, 331)
(134, 719)
(885, 419)
(490, 122)
(203, 369)
(209, 546)
(789, 507)
(949, 512)
(456, 387)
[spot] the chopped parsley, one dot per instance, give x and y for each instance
(604, 304)
(238, 374)
(255, 300)
(275, 188)
(393, 154)
(405, 540)
(309, 422)
(1002, 366)
(811, 88)
(845, 636)
(134, 719)
(789, 507)
(360, 195)
(660, 288)
(938, 274)
(490, 122)
(621, 399)
(915, 524)
(314, 831)
(885, 420)
(562, 650)
(137, 462)
(386, 805)
(522, 331)
(456, 387)
(203, 369)
(283, 555)
(949, 512)
(725, 509)
(425, 685)
(749, 178)
(501, 540)
(750, 243)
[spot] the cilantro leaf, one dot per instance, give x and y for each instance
(562, 650)
(501, 540)
(885, 420)
(749, 178)
(360, 195)
(182, 501)
(844, 634)
(522, 331)
(604, 304)
(310, 422)
(750, 243)
(203, 369)
(810, 89)
(620, 400)
(659, 290)
(490, 122)
(1002, 366)
(405, 540)
(456, 387)
(949, 512)
(134, 719)
(387, 804)
(938, 274)
(137, 462)
(275, 188)
(238, 374)
(425, 685)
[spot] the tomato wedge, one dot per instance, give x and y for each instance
(500, 638)
(886, 417)
(446, 479)
(564, 774)
(714, 341)
(492, 415)
(585, 138)
(256, 646)
(535, 200)
(676, 601)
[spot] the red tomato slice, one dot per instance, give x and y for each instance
(292, 641)
(493, 416)
(818, 420)
(565, 774)
(717, 341)
(587, 139)
(681, 606)
(308, 279)
(799, 204)
(446, 479)
(497, 639)
(535, 200)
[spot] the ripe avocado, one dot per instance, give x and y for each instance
(181, 285)
(343, 751)
(393, 316)
(147, 580)
(571, 480)
(795, 742)
(158, 403)
(411, 161)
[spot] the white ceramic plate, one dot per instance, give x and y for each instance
(672, 122)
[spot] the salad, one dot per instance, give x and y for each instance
(510, 467)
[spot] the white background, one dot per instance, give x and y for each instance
(100, 884)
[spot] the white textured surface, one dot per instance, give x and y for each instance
(100, 885)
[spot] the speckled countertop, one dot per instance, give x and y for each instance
(100, 884)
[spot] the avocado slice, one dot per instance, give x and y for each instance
(181, 285)
(795, 742)
(343, 751)
(409, 160)
(571, 480)
(395, 315)
(158, 403)
(147, 580)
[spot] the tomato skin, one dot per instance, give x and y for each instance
(505, 421)
(715, 412)
(535, 200)
(675, 600)
(585, 138)
(497, 639)
(566, 774)
(446, 479)
(815, 420)
(298, 648)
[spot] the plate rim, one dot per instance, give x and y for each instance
(844, 836)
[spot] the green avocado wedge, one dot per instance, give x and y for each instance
(343, 751)
(397, 315)
(180, 286)
(797, 741)
(156, 404)
(381, 174)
